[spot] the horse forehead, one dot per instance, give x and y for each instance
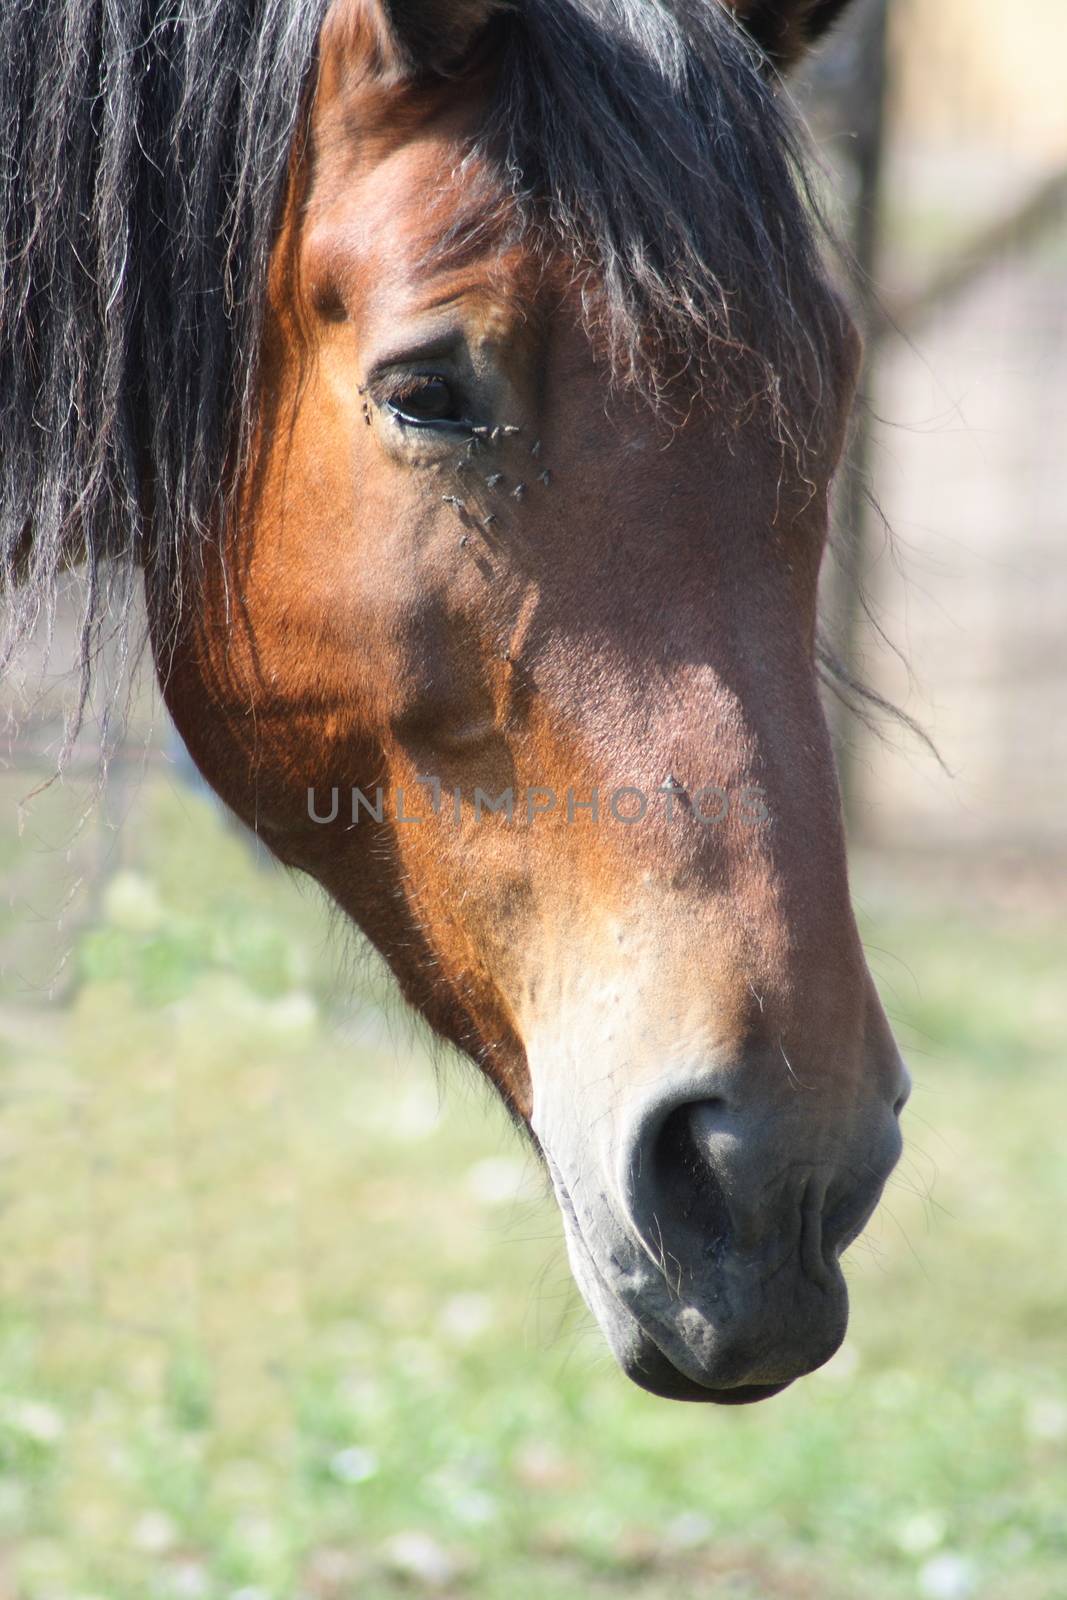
(405, 201)
(361, 117)
(384, 200)
(380, 243)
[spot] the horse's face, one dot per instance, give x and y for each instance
(577, 600)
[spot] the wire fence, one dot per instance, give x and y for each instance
(965, 440)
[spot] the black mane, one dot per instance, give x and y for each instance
(648, 143)
(144, 151)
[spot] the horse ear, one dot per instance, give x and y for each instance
(434, 35)
(786, 29)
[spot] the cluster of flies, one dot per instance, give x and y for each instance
(480, 437)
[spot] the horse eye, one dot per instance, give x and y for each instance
(429, 399)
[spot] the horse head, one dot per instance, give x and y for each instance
(521, 573)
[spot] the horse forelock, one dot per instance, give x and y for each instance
(643, 141)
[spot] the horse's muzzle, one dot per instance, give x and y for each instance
(705, 1236)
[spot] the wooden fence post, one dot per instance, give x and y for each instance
(863, 113)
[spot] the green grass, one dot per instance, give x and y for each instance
(278, 1320)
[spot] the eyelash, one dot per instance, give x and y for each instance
(462, 425)
(389, 392)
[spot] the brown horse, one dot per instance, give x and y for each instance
(524, 386)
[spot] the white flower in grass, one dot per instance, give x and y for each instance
(420, 1559)
(496, 1181)
(416, 1115)
(363, 1396)
(947, 1577)
(293, 1013)
(243, 1480)
(154, 1532)
(1046, 1419)
(474, 1507)
(35, 1420)
(131, 902)
(920, 1533)
(688, 1531)
(464, 1317)
(353, 1464)
(416, 1359)
(257, 1535)
(189, 1581)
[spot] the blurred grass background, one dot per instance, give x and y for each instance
(285, 1313)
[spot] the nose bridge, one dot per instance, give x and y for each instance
(671, 982)
(676, 1007)
(715, 747)
(744, 977)
(656, 1041)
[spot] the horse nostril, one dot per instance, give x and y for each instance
(690, 1191)
(904, 1096)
